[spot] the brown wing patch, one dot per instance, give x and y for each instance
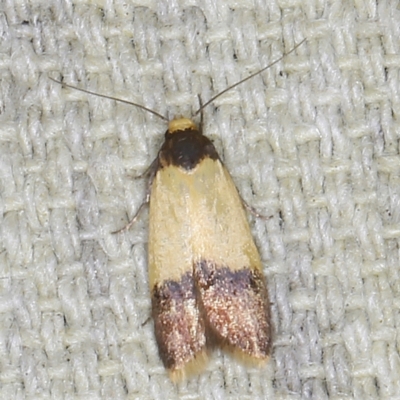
(236, 308)
(217, 304)
(179, 329)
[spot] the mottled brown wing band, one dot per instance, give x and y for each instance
(230, 306)
(179, 329)
(236, 307)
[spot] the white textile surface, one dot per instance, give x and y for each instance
(313, 142)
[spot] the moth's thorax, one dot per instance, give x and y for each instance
(184, 146)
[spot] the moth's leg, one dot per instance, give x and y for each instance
(151, 172)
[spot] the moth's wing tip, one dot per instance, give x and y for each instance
(192, 367)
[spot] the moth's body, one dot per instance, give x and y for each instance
(205, 272)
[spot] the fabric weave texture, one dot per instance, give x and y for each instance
(312, 143)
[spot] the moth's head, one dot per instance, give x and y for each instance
(181, 124)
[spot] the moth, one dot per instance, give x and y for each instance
(205, 273)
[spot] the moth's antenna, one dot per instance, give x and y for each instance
(112, 98)
(249, 77)
(202, 106)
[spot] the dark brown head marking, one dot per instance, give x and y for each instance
(185, 146)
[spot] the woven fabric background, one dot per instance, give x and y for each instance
(312, 142)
